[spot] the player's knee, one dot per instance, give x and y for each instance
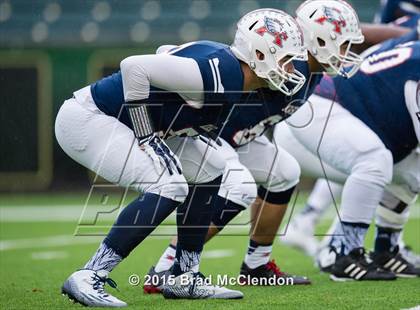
(174, 187)
(243, 194)
(247, 193)
(238, 186)
(285, 175)
(376, 166)
(389, 217)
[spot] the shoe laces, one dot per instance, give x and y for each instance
(99, 283)
(366, 262)
(272, 266)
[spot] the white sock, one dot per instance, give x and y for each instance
(167, 259)
(257, 255)
(104, 258)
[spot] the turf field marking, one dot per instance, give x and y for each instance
(46, 242)
(40, 214)
(47, 255)
(218, 253)
(60, 213)
(71, 213)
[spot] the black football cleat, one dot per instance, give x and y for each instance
(154, 281)
(394, 262)
(355, 266)
(269, 274)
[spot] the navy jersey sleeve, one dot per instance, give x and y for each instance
(220, 69)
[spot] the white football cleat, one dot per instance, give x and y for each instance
(87, 288)
(192, 285)
(300, 235)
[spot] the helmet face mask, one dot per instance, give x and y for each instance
(285, 80)
(327, 26)
(268, 41)
(345, 64)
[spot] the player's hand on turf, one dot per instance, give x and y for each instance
(161, 155)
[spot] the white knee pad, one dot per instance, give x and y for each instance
(407, 174)
(285, 173)
(238, 185)
(394, 209)
(174, 187)
(374, 166)
(271, 166)
(363, 189)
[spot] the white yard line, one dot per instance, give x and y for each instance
(67, 213)
(61, 213)
(164, 233)
(218, 253)
(48, 255)
(71, 213)
(47, 242)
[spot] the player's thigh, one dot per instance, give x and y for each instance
(341, 140)
(309, 163)
(271, 166)
(201, 162)
(407, 171)
(106, 146)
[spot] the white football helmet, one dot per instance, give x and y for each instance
(327, 25)
(268, 40)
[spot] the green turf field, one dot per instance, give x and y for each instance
(38, 250)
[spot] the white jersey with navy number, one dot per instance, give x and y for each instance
(178, 96)
(376, 94)
(260, 110)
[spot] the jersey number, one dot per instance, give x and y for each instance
(385, 60)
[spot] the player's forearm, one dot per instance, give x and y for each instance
(377, 33)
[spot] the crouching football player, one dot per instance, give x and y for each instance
(112, 127)
(274, 170)
(370, 143)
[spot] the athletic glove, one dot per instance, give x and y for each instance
(160, 153)
(150, 142)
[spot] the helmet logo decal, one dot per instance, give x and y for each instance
(275, 28)
(333, 16)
